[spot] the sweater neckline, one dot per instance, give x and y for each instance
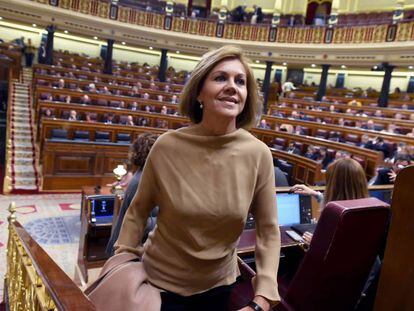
(196, 130)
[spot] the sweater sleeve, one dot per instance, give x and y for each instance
(135, 220)
(267, 250)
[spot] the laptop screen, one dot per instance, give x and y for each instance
(102, 209)
(384, 195)
(288, 208)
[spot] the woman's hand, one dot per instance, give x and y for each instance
(261, 301)
(302, 189)
(307, 237)
(392, 175)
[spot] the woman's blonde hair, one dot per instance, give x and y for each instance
(189, 105)
(345, 180)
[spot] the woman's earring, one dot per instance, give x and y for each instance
(201, 105)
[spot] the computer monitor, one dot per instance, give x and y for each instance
(384, 195)
(293, 208)
(102, 209)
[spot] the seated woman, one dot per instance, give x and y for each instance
(345, 180)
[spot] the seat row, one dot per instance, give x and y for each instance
(335, 106)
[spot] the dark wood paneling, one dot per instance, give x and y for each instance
(81, 164)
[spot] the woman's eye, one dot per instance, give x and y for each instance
(240, 81)
(220, 78)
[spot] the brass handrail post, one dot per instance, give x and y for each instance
(10, 255)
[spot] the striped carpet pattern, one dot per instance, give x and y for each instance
(21, 172)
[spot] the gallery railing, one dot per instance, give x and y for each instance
(379, 33)
(33, 280)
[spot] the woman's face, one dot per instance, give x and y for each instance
(224, 91)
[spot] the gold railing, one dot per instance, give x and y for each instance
(403, 31)
(33, 281)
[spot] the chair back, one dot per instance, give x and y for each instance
(396, 286)
(81, 135)
(123, 138)
(347, 239)
(102, 136)
(59, 134)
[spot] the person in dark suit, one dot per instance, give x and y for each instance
(41, 54)
(387, 175)
(280, 178)
(293, 149)
(380, 145)
(258, 12)
(138, 154)
(239, 14)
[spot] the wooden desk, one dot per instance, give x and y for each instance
(90, 75)
(93, 237)
(71, 164)
(407, 125)
(247, 242)
(393, 103)
(302, 103)
(83, 84)
(314, 126)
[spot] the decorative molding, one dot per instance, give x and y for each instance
(360, 46)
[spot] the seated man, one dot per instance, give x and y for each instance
(109, 119)
(85, 100)
(134, 106)
(174, 99)
(263, 124)
(73, 116)
(47, 113)
(387, 175)
(164, 110)
(130, 121)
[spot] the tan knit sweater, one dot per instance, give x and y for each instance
(204, 187)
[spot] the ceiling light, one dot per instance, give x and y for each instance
(66, 31)
(410, 67)
(34, 25)
(178, 52)
(1, 18)
(284, 64)
(151, 48)
(313, 65)
(123, 43)
(96, 38)
(343, 66)
(375, 67)
(257, 61)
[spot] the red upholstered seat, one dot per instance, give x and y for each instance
(352, 138)
(322, 133)
(279, 143)
(332, 274)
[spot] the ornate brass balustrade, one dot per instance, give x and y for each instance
(403, 31)
(33, 281)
